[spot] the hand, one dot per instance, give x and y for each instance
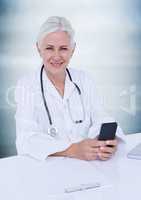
(106, 152)
(85, 150)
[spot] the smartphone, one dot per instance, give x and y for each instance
(108, 131)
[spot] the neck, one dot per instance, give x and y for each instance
(58, 80)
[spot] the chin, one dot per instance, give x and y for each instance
(54, 70)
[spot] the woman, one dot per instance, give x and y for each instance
(58, 110)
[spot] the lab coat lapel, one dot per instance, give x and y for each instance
(49, 87)
(69, 87)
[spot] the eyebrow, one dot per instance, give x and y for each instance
(50, 45)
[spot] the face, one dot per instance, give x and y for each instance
(55, 50)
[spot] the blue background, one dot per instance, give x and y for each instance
(108, 37)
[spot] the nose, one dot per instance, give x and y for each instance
(56, 55)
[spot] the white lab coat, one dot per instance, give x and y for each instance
(32, 122)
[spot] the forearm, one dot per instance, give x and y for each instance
(69, 152)
(39, 146)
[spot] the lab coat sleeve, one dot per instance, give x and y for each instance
(30, 139)
(98, 114)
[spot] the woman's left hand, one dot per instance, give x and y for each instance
(106, 151)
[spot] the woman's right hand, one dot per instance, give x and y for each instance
(85, 150)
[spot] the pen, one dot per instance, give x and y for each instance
(82, 187)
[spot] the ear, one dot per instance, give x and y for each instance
(38, 49)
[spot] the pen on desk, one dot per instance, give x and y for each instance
(82, 187)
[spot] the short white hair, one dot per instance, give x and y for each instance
(53, 24)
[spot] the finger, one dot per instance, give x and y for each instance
(94, 150)
(94, 143)
(104, 156)
(97, 143)
(91, 156)
(112, 142)
(106, 149)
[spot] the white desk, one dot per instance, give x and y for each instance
(23, 178)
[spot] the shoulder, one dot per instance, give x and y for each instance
(85, 81)
(82, 76)
(30, 80)
(28, 84)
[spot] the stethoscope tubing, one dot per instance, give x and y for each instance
(44, 99)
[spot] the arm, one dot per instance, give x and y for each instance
(30, 136)
(99, 116)
(88, 149)
(32, 140)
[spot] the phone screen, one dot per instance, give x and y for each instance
(108, 131)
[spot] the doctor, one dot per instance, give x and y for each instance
(58, 110)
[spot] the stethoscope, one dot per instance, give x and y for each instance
(52, 131)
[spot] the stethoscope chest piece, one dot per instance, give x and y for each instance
(52, 131)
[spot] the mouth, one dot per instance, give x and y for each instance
(56, 64)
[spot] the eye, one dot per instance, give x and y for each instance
(64, 48)
(49, 48)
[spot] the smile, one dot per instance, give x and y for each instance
(56, 64)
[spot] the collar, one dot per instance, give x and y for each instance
(50, 88)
